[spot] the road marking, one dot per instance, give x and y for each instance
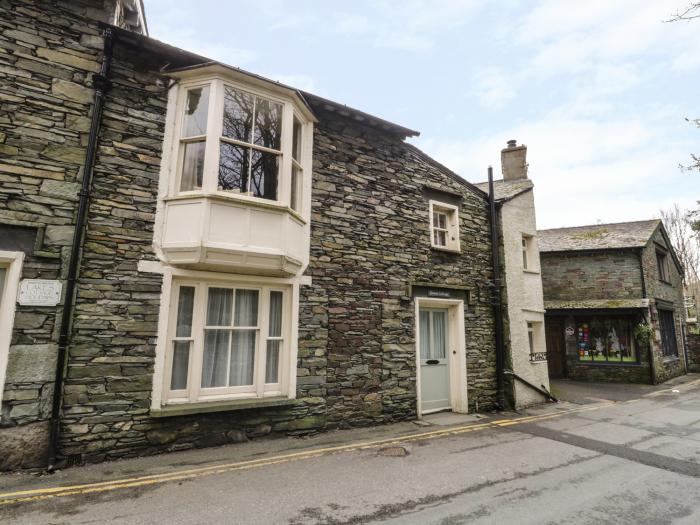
(25, 496)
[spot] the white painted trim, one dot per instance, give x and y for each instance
(453, 237)
(200, 280)
(12, 261)
(459, 400)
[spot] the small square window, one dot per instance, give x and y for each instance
(444, 226)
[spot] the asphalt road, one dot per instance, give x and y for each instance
(630, 460)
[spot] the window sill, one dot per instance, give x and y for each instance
(446, 250)
(536, 272)
(184, 409)
(239, 198)
(670, 359)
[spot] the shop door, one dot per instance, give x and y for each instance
(434, 360)
(556, 356)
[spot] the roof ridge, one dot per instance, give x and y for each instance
(599, 225)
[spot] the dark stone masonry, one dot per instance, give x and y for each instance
(370, 242)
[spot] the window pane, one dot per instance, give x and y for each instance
(275, 314)
(268, 123)
(442, 221)
(216, 349)
(273, 360)
(242, 358)
(439, 341)
(219, 307)
(436, 220)
(2, 281)
(295, 200)
(192, 166)
(234, 162)
(424, 328)
(440, 238)
(296, 141)
(196, 108)
(185, 304)
(263, 175)
(238, 114)
(246, 312)
(181, 357)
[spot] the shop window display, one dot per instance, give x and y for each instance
(605, 340)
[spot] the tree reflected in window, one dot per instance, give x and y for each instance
(251, 144)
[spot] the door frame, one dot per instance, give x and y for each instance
(457, 352)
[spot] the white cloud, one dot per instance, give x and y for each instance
(493, 88)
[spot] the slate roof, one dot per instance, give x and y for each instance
(506, 189)
(597, 236)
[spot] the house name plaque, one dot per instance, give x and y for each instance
(39, 292)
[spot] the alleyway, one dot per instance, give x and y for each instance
(603, 456)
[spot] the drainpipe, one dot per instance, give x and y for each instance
(101, 85)
(497, 300)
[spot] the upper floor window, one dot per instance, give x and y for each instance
(241, 141)
(444, 226)
(662, 265)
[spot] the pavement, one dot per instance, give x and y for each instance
(604, 454)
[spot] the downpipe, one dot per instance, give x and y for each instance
(101, 85)
(497, 298)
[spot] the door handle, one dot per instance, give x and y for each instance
(432, 362)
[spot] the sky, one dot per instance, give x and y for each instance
(599, 90)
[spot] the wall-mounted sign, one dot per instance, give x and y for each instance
(570, 331)
(39, 292)
(439, 293)
(538, 357)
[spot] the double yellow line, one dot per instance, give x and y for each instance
(24, 496)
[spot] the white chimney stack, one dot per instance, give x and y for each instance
(514, 161)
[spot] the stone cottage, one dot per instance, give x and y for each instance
(515, 199)
(614, 300)
(191, 254)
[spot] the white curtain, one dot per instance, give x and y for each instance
(183, 328)
(438, 342)
(424, 334)
(244, 341)
(181, 356)
(273, 346)
(217, 341)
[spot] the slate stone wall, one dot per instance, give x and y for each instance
(599, 275)
(47, 54)
(693, 352)
(668, 295)
(370, 240)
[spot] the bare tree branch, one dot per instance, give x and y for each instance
(685, 240)
(689, 13)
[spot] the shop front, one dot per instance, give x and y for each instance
(597, 345)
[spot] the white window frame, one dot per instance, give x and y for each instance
(534, 330)
(214, 136)
(12, 262)
(452, 236)
(260, 389)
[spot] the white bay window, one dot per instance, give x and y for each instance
(240, 142)
(236, 175)
(227, 341)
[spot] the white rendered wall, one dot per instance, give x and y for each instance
(525, 301)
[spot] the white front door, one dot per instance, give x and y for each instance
(434, 360)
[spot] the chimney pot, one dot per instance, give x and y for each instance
(512, 143)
